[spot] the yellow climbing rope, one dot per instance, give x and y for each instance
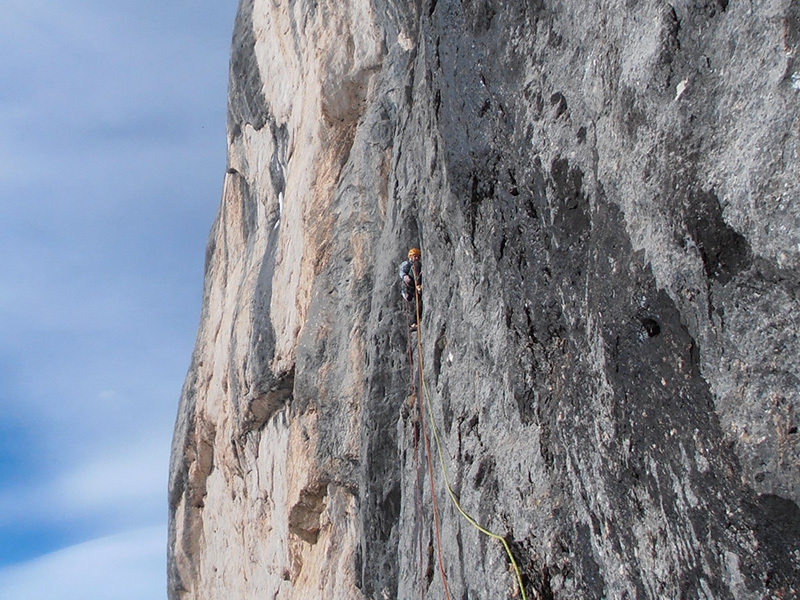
(453, 497)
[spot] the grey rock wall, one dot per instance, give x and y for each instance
(605, 194)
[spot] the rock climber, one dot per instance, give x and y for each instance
(411, 279)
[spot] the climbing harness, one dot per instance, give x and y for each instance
(424, 399)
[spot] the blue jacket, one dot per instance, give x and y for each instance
(407, 268)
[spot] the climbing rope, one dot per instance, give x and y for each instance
(418, 510)
(418, 483)
(425, 398)
(436, 526)
(425, 438)
(411, 358)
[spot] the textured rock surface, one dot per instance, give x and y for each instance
(605, 194)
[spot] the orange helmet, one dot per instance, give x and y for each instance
(414, 253)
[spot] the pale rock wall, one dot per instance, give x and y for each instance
(244, 465)
(605, 193)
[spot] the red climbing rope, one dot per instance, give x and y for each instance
(425, 403)
(427, 442)
(425, 438)
(418, 483)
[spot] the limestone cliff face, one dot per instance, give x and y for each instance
(605, 194)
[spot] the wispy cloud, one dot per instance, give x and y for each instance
(127, 566)
(125, 486)
(131, 480)
(111, 159)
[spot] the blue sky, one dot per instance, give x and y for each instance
(112, 152)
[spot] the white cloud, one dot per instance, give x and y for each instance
(127, 566)
(131, 476)
(111, 163)
(126, 485)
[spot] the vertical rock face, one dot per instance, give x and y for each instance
(605, 194)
